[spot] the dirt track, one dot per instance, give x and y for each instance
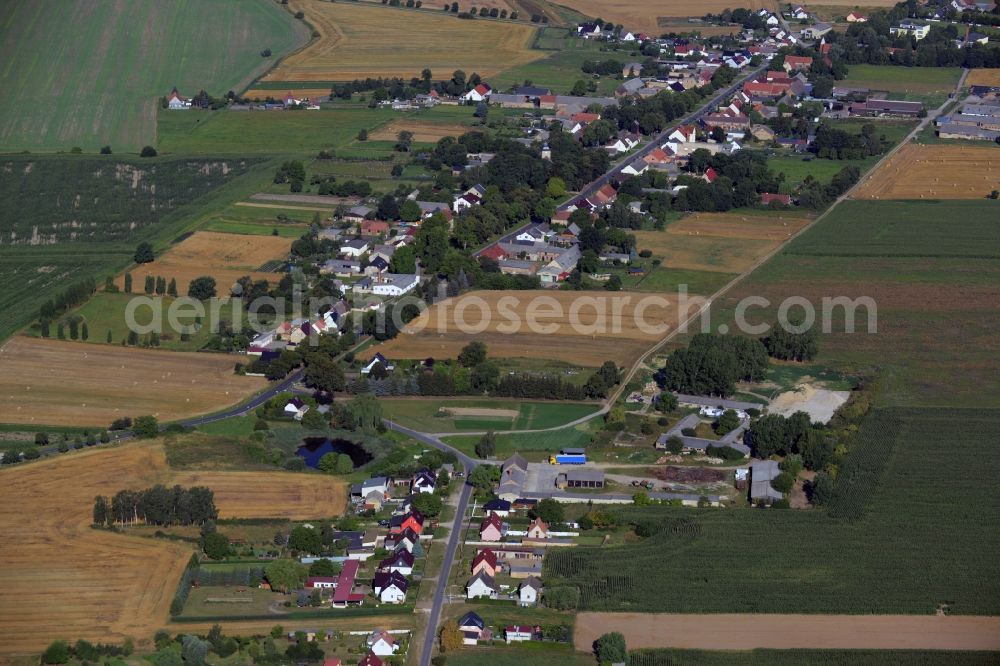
(747, 632)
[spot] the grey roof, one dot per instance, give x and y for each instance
(356, 243)
(969, 131)
(631, 86)
(762, 472)
(710, 401)
(516, 460)
(532, 582)
(360, 211)
(586, 474)
(585, 101)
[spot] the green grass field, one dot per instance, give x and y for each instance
(667, 280)
(930, 85)
(249, 132)
(86, 74)
(422, 414)
(106, 313)
(535, 445)
(561, 70)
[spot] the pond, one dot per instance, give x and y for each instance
(314, 448)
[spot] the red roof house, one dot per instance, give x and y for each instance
(491, 529)
(374, 227)
(793, 63)
(494, 252)
(486, 561)
(768, 198)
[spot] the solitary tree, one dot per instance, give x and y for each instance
(216, 545)
(128, 283)
(146, 426)
(472, 354)
(143, 253)
(487, 445)
(202, 288)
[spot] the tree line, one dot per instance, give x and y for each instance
(158, 505)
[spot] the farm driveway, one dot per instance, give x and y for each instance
(781, 632)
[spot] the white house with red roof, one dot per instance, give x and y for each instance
(856, 17)
(177, 103)
(478, 94)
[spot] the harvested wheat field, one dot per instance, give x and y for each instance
(422, 130)
(270, 494)
(226, 257)
(719, 242)
(359, 41)
(580, 328)
(647, 15)
(781, 632)
(297, 92)
(935, 172)
(57, 382)
(984, 76)
(61, 579)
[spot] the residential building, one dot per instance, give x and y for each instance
(917, 29)
(498, 506)
(377, 359)
(296, 408)
(485, 561)
(390, 587)
(768, 198)
(382, 643)
(481, 585)
(394, 284)
(518, 633)
(491, 528)
(400, 562)
(424, 481)
(472, 628)
(354, 247)
(478, 94)
(538, 529)
(529, 592)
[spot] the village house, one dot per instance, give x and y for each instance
(491, 528)
(354, 247)
(374, 227)
(382, 643)
(768, 198)
(357, 214)
(411, 520)
(394, 284)
(529, 592)
(390, 587)
(344, 593)
(424, 481)
(795, 63)
(471, 197)
(856, 17)
(538, 529)
(481, 585)
(406, 540)
(519, 633)
(371, 659)
(917, 29)
(472, 627)
(377, 359)
(485, 561)
(498, 506)
(321, 582)
(296, 408)
(400, 562)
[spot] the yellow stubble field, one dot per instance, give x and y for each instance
(359, 40)
(935, 172)
(577, 327)
(58, 382)
(61, 579)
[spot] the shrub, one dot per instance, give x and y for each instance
(689, 432)
(147, 151)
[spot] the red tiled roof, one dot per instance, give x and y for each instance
(345, 582)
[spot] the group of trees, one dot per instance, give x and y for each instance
(70, 297)
(789, 345)
(61, 652)
(158, 505)
(773, 434)
(712, 364)
(292, 172)
(838, 144)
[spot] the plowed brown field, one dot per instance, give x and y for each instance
(935, 172)
(362, 40)
(61, 579)
(538, 324)
(747, 632)
(57, 382)
(225, 257)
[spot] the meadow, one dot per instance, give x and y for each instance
(930, 85)
(70, 76)
(360, 40)
(535, 445)
(905, 554)
(272, 132)
(63, 578)
(80, 384)
(426, 415)
(560, 70)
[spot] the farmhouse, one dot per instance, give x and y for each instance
(354, 247)
(394, 284)
(498, 506)
(377, 359)
(885, 107)
(768, 198)
(856, 17)
(481, 585)
(296, 409)
(797, 63)
(518, 633)
(513, 473)
(478, 94)
(177, 103)
(321, 583)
